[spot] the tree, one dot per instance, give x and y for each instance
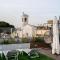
(5, 24)
(5, 27)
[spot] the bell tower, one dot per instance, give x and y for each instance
(24, 19)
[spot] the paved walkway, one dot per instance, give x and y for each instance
(48, 53)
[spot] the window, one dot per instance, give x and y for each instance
(25, 19)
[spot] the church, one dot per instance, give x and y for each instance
(27, 30)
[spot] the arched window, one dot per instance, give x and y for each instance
(25, 19)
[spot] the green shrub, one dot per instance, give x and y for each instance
(3, 56)
(23, 56)
(39, 39)
(34, 53)
(0, 57)
(39, 56)
(24, 40)
(5, 42)
(12, 55)
(8, 41)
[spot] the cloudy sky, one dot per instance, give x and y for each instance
(39, 11)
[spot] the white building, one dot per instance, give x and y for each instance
(26, 30)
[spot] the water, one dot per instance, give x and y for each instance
(21, 47)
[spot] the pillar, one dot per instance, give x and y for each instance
(55, 44)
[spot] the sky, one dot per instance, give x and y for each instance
(39, 11)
